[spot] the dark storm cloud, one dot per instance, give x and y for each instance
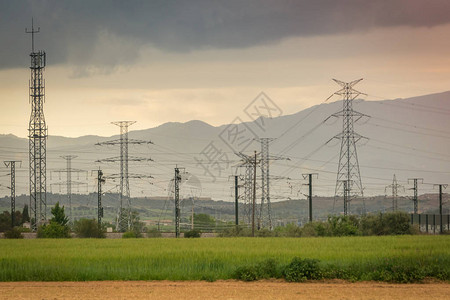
(105, 34)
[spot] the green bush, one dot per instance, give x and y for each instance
(88, 228)
(236, 231)
(300, 270)
(290, 230)
(392, 223)
(264, 232)
(192, 234)
(266, 269)
(53, 231)
(14, 233)
(131, 235)
(246, 273)
(153, 233)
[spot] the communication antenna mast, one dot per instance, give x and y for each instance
(123, 218)
(37, 135)
(348, 181)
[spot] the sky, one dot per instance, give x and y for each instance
(173, 61)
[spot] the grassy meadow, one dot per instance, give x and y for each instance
(352, 258)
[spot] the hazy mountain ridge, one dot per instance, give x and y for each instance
(407, 137)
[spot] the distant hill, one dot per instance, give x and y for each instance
(407, 137)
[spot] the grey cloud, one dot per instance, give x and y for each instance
(94, 34)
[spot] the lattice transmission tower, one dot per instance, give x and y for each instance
(123, 218)
(69, 182)
(37, 135)
(12, 165)
(348, 181)
(247, 163)
(394, 187)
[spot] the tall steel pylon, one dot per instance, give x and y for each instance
(12, 165)
(176, 181)
(394, 186)
(415, 196)
(68, 183)
(348, 181)
(37, 135)
(247, 163)
(265, 184)
(123, 218)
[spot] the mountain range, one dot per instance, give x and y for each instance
(406, 137)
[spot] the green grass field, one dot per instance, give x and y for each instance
(354, 258)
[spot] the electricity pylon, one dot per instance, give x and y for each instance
(394, 186)
(123, 218)
(247, 163)
(415, 196)
(69, 183)
(348, 181)
(12, 165)
(265, 210)
(37, 137)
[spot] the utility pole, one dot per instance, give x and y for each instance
(37, 136)
(310, 177)
(441, 230)
(68, 183)
(254, 197)
(123, 218)
(348, 174)
(12, 165)
(415, 197)
(176, 181)
(394, 186)
(100, 181)
(236, 200)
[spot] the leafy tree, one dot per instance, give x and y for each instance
(88, 228)
(59, 216)
(204, 222)
(5, 221)
(14, 233)
(58, 227)
(25, 214)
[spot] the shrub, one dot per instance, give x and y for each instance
(344, 225)
(14, 233)
(264, 232)
(53, 231)
(262, 270)
(153, 233)
(235, 231)
(392, 223)
(130, 235)
(246, 273)
(300, 270)
(268, 269)
(192, 234)
(88, 228)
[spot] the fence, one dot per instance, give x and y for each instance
(431, 223)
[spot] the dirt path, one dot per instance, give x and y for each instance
(221, 290)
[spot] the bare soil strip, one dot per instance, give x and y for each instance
(221, 290)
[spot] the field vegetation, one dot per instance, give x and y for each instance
(385, 258)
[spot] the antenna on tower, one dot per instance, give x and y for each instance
(32, 33)
(37, 135)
